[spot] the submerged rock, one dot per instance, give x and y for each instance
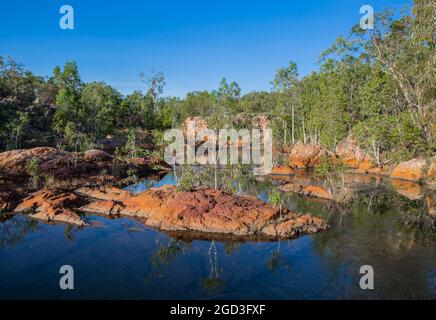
(209, 211)
(336, 191)
(52, 206)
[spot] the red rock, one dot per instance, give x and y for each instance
(307, 187)
(431, 174)
(8, 200)
(282, 170)
(308, 190)
(352, 156)
(304, 156)
(412, 170)
(15, 161)
(97, 156)
(51, 206)
(199, 123)
(104, 193)
(376, 170)
(110, 144)
(209, 211)
(68, 165)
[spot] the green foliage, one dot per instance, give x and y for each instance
(399, 137)
(187, 179)
(33, 171)
(276, 199)
(376, 84)
(328, 167)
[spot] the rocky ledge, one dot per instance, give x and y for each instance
(63, 165)
(52, 206)
(208, 211)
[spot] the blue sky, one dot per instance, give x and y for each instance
(193, 42)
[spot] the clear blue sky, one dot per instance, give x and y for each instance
(194, 43)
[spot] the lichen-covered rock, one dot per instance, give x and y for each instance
(51, 206)
(209, 211)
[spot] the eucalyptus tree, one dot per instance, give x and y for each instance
(284, 83)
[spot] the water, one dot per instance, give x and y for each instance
(123, 259)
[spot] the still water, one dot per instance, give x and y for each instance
(123, 259)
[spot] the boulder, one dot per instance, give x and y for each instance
(282, 170)
(103, 193)
(52, 206)
(260, 122)
(14, 162)
(97, 156)
(412, 170)
(71, 165)
(197, 122)
(209, 211)
(304, 156)
(354, 157)
(8, 200)
(110, 144)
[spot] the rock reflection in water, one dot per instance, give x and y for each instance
(379, 227)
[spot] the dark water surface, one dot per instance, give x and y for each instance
(121, 258)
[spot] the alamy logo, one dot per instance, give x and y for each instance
(66, 282)
(67, 20)
(367, 21)
(224, 146)
(367, 280)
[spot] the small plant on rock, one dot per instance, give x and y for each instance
(33, 171)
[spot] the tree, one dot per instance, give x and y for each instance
(68, 98)
(99, 105)
(284, 82)
(156, 83)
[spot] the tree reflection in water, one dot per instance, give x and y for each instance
(213, 281)
(164, 253)
(15, 229)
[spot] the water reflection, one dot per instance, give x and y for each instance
(379, 227)
(15, 229)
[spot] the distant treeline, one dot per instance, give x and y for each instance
(378, 85)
